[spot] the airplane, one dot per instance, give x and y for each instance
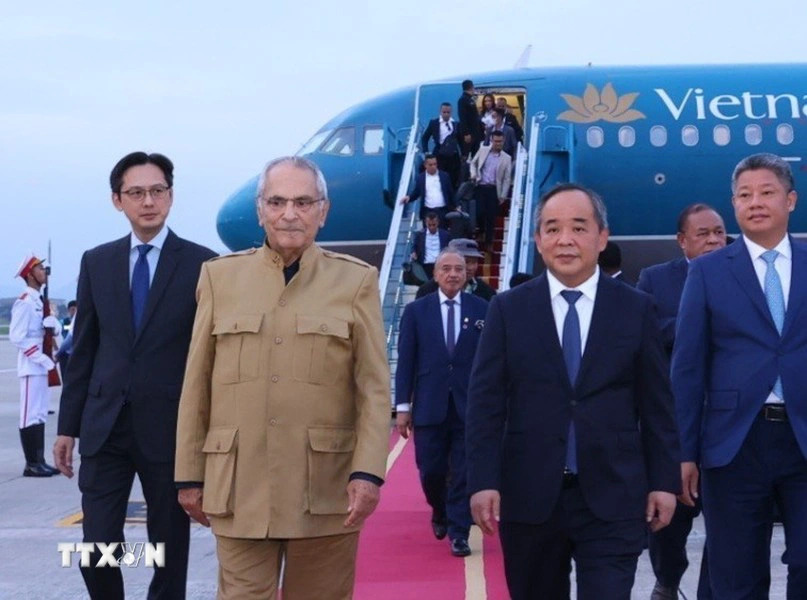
(649, 139)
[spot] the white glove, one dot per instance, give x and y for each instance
(51, 321)
(45, 361)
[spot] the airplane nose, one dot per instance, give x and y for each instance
(237, 221)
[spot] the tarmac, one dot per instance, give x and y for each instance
(38, 514)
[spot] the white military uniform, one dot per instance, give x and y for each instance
(27, 333)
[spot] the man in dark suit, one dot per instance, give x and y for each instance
(510, 118)
(444, 131)
(428, 243)
(570, 426)
(470, 124)
(130, 342)
(436, 347)
(434, 186)
(610, 261)
(700, 231)
(738, 374)
(473, 284)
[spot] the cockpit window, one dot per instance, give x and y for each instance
(342, 142)
(314, 143)
(373, 139)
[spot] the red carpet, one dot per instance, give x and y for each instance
(398, 555)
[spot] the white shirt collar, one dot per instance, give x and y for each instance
(443, 297)
(588, 287)
(755, 250)
(157, 242)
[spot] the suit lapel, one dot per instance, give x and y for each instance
(465, 320)
(798, 284)
(121, 285)
(169, 256)
(547, 332)
(679, 273)
(601, 318)
(743, 270)
(435, 317)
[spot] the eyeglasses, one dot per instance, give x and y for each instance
(302, 204)
(138, 194)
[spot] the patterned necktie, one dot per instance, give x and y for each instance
(140, 285)
(450, 332)
(776, 302)
(571, 355)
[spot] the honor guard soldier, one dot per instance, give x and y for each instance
(27, 333)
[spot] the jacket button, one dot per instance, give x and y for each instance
(450, 367)
(272, 422)
(218, 445)
(275, 378)
(282, 302)
(323, 327)
(278, 340)
(573, 403)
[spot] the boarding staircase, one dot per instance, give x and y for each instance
(547, 161)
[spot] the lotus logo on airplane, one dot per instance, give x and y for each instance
(600, 106)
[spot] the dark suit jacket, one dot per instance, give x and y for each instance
(727, 350)
(665, 282)
(433, 132)
(426, 374)
(419, 245)
(110, 365)
(482, 289)
(468, 115)
(510, 119)
(445, 186)
(521, 403)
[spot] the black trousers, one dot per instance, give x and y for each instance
(450, 163)
(487, 209)
(105, 481)
(537, 558)
(668, 551)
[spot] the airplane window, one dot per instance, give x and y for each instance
(658, 135)
(314, 143)
(373, 140)
(689, 135)
(341, 142)
(784, 134)
(595, 137)
(627, 136)
(753, 135)
(721, 135)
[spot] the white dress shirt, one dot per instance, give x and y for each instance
(152, 257)
(584, 305)
(432, 247)
(783, 265)
(434, 192)
(446, 129)
(444, 317)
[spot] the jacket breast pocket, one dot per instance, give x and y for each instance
(321, 347)
(330, 455)
(238, 348)
(220, 450)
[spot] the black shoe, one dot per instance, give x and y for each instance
(460, 547)
(47, 467)
(663, 593)
(35, 470)
(439, 529)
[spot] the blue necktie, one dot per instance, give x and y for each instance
(450, 332)
(776, 303)
(140, 285)
(571, 355)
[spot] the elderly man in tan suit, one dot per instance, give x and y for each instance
(285, 414)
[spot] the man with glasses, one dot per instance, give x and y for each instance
(284, 415)
(120, 396)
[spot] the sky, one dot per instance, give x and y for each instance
(221, 88)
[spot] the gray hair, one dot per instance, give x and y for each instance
(600, 212)
(298, 162)
(445, 252)
(773, 163)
